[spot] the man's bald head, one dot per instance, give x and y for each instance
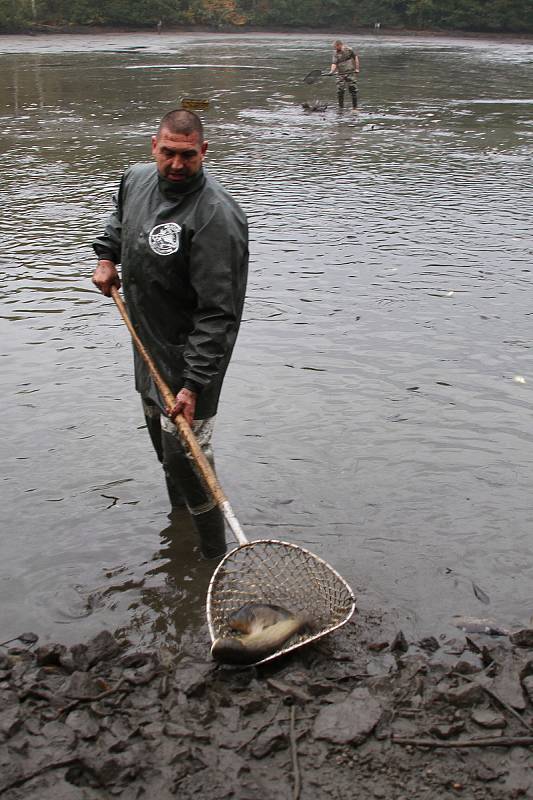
(182, 121)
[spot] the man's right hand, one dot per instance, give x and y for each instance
(185, 404)
(106, 276)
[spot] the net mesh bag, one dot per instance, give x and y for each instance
(282, 574)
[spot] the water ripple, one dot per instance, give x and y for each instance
(378, 404)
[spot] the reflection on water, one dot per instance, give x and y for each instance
(169, 603)
(371, 412)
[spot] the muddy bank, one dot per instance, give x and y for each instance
(363, 713)
(511, 38)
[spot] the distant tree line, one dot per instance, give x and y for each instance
(467, 15)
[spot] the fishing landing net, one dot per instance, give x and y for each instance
(313, 76)
(283, 574)
(266, 571)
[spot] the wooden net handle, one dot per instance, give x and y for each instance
(184, 430)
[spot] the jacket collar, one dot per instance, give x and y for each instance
(173, 191)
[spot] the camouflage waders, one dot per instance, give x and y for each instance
(346, 81)
(183, 484)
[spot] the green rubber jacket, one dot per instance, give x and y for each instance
(183, 251)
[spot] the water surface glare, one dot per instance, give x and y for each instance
(378, 407)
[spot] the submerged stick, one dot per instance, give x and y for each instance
(64, 762)
(91, 698)
(294, 756)
(499, 700)
(25, 638)
(260, 729)
(493, 741)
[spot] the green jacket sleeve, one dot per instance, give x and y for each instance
(218, 273)
(109, 244)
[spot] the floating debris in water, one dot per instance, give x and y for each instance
(480, 594)
(477, 625)
(519, 379)
(316, 106)
(25, 638)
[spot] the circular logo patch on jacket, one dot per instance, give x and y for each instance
(165, 239)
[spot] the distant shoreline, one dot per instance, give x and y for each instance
(502, 37)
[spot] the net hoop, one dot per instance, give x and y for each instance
(280, 573)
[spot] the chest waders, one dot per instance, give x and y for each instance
(207, 517)
(183, 484)
(344, 81)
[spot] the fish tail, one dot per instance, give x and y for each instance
(231, 651)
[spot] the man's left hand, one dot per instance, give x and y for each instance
(185, 404)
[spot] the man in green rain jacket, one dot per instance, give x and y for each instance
(182, 243)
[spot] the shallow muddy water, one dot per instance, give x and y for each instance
(378, 406)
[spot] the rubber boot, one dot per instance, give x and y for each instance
(152, 416)
(353, 93)
(175, 495)
(210, 527)
(206, 516)
(340, 98)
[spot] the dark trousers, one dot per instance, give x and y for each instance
(184, 486)
(343, 83)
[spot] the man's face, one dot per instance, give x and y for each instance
(338, 46)
(178, 155)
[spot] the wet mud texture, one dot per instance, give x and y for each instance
(363, 714)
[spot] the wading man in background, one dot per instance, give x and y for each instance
(182, 243)
(345, 67)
